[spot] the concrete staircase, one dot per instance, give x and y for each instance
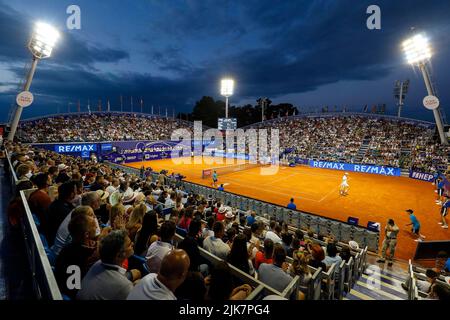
(380, 282)
(363, 149)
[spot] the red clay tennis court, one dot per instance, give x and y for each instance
(371, 197)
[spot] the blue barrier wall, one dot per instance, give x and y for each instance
(387, 171)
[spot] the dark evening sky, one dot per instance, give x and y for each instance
(172, 52)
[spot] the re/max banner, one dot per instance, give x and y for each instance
(387, 171)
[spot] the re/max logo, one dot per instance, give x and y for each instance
(75, 148)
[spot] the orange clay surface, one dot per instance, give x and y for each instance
(371, 197)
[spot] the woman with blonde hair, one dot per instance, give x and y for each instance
(136, 219)
(117, 218)
(300, 268)
(178, 203)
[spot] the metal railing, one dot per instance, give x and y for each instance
(44, 282)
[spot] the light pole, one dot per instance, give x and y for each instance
(400, 91)
(226, 90)
(41, 45)
(418, 52)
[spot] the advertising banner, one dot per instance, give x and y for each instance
(421, 176)
(387, 171)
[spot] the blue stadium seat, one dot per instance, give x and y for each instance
(323, 226)
(37, 222)
(295, 218)
(180, 231)
(335, 229)
(142, 262)
(50, 254)
(359, 235)
(372, 239)
(305, 221)
(279, 214)
(346, 232)
(286, 215)
(271, 211)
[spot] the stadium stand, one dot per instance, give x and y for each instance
(351, 138)
(99, 127)
(366, 139)
(338, 281)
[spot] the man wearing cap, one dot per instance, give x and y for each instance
(102, 213)
(229, 217)
(390, 241)
(128, 198)
(221, 213)
(62, 175)
(416, 225)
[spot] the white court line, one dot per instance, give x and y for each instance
(284, 189)
(329, 193)
(282, 178)
(264, 189)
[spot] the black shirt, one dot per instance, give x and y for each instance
(73, 254)
(56, 213)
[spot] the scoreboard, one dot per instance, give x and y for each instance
(227, 124)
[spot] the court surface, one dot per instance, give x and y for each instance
(371, 197)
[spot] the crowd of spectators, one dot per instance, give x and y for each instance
(98, 127)
(351, 138)
(99, 218)
(358, 139)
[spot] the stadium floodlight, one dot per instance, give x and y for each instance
(417, 49)
(400, 91)
(43, 40)
(418, 52)
(41, 45)
(226, 90)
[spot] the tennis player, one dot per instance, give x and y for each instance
(343, 189)
(214, 178)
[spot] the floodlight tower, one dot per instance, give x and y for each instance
(418, 52)
(226, 90)
(41, 45)
(400, 91)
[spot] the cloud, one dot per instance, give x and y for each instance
(14, 27)
(272, 50)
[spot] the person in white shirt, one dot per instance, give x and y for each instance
(162, 285)
(343, 189)
(274, 232)
(214, 244)
(159, 249)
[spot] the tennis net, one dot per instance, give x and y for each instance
(207, 173)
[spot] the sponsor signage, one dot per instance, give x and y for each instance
(24, 99)
(75, 148)
(387, 171)
(431, 102)
(421, 176)
(106, 147)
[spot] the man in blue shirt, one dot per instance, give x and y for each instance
(221, 188)
(444, 211)
(440, 190)
(292, 205)
(251, 218)
(416, 225)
